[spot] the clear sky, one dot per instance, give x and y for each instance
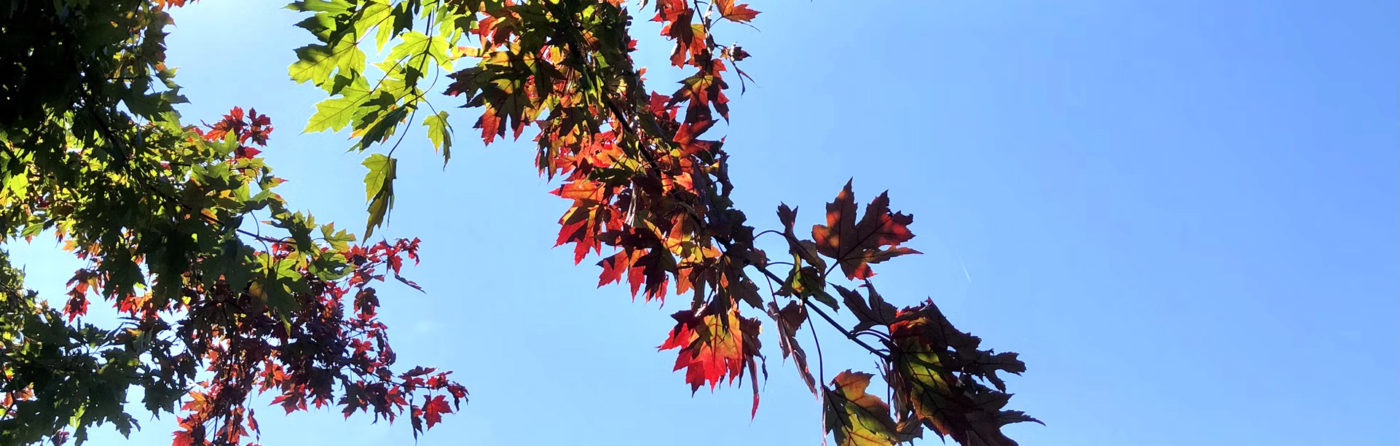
(1183, 215)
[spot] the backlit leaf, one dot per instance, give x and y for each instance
(317, 63)
(440, 134)
(936, 368)
(874, 239)
(737, 13)
(379, 189)
(337, 112)
(714, 346)
(855, 417)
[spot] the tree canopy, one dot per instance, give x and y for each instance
(227, 291)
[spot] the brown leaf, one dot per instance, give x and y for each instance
(855, 245)
(803, 249)
(869, 312)
(789, 320)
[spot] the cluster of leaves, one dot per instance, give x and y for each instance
(213, 303)
(93, 151)
(646, 180)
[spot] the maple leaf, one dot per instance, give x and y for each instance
(869, 312)
(500, 86)
(182, 438)
(801, 249)
(379, 188)
(440, 134)
(434, 408)
(584, 190)
(690, 38)
(789, 319)
(935, 368)
(82, 281)
(738, 13)
(704, 89)
(858, 418)
(163, 4)
(688, 131)
(714, 346)
(613, 268)
(854, 245)
(580, 225)
(646, 261)
(926, 326)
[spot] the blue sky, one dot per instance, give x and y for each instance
(1182, 214)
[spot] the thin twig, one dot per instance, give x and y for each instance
(821, 364)
(829, 319)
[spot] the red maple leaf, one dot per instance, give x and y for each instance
(715, 346)
(164, 4)
(434, 408)
(182, 438)
(614, 268)
(689, 39)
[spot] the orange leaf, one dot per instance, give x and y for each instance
(714, 346)
(738, 13)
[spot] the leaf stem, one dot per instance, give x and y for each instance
(829, 319)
